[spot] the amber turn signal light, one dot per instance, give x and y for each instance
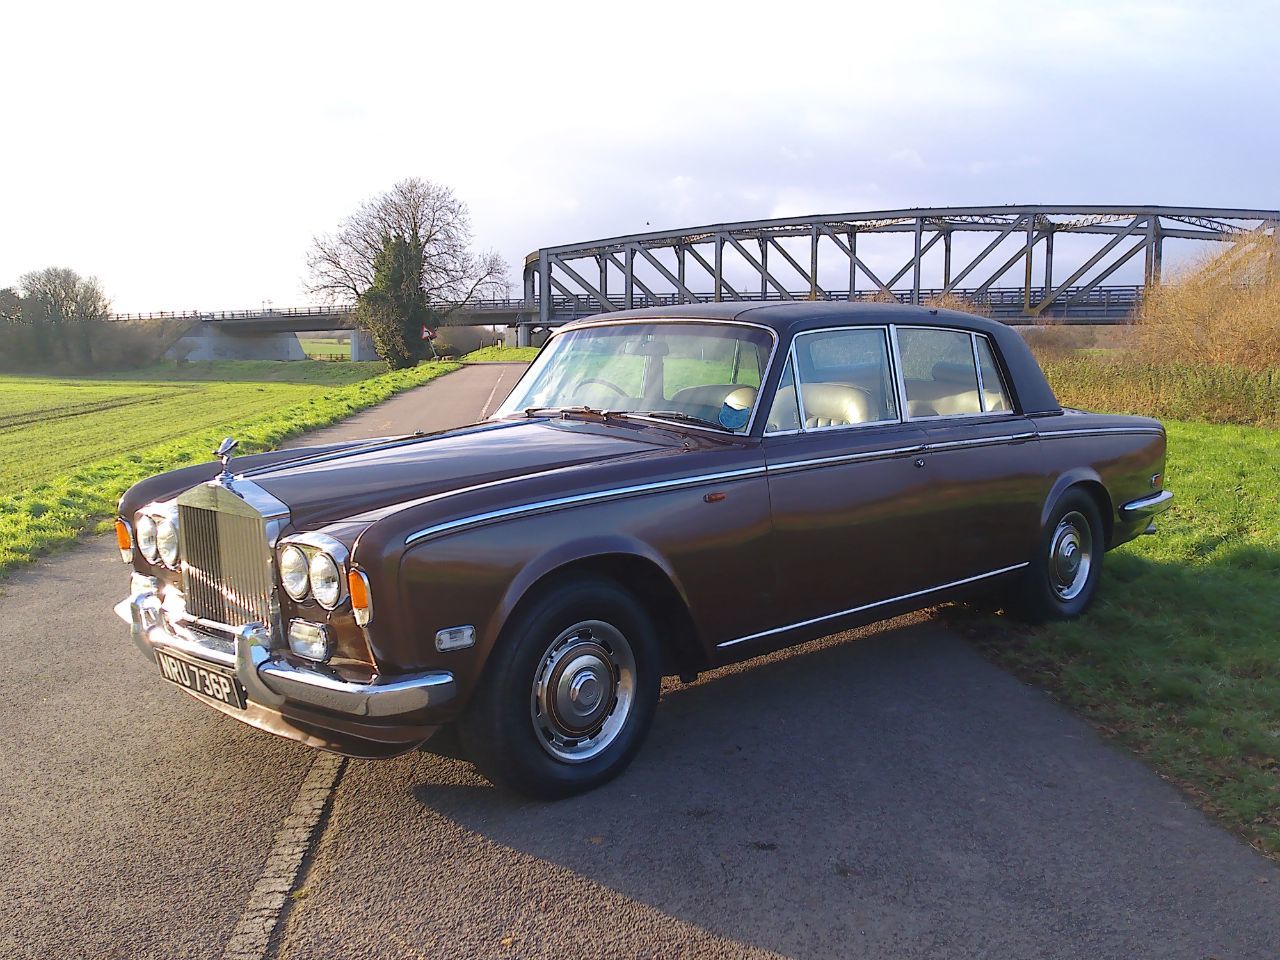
(124, 540)
(361, 604)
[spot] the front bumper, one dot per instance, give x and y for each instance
(275, 685)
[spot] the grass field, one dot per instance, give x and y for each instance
(312, 372)
(61, 469)
(490, 354)
(326, 346)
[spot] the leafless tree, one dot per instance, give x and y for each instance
(57, 295)
(341, 264)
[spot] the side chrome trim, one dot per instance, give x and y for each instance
(982, 441)
(872, 606)
(1092, 431)
(1146, 507)
(789, 465)
(593, 497)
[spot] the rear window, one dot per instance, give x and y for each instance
(939, 373)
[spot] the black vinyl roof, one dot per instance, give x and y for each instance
(788, 315)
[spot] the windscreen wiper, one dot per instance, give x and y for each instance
(677, 415)
(584, 410)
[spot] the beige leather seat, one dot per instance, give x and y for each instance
(835, 405)
(952, 392)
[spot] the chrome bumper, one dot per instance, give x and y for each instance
(271, 681)
(1146, 507)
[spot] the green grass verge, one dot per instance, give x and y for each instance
(507, 354)
(1178, 658)
(1119, 384)
(59, 451)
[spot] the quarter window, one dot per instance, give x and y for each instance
(938, 372)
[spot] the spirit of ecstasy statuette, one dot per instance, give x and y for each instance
(224, 453)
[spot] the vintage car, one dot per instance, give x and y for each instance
(664, 491)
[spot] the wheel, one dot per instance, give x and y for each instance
(1062, 578)
(569, 693)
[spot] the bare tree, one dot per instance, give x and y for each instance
(56, 295)
(429, 217)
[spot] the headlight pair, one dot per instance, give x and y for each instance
(157, 537)
(310, 569)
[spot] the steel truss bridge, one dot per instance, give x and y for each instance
(826, 258)
(1001, 259)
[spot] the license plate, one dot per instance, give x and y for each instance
(212, 682)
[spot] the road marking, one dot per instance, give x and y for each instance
(251, 938)
(484, 411)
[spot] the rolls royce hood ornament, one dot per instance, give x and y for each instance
(224, 453)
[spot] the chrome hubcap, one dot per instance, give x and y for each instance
(583, 691)
(1070, 556)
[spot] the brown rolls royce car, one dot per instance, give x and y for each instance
(664, 491)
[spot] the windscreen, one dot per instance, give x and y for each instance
(702, 371)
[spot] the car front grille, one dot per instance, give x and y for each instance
(226, 560)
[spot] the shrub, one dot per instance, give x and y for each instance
(1222, 310)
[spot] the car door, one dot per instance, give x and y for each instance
(982, 457)
(847, 497)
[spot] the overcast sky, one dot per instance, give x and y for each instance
(186, 154)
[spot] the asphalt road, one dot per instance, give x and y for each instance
(886, 793)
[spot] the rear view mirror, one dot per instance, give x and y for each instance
(648, 348)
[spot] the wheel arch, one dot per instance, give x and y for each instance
(632, 565)
(1088, 480)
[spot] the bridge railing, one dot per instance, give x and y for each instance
(1115, 303)
(1111, 303)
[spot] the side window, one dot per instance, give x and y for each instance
(785, 412)
(938, 372)
(844, 378)
(994, 395)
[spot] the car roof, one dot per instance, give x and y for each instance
(795, 315)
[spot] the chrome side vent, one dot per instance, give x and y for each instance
(226, 560)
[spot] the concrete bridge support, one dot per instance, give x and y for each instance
(206, 341)
(362, 346)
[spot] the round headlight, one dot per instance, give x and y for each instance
(145, 531)
(167, 542)
(293, 572)
(326, 580)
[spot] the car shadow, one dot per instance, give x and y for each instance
(895, 795)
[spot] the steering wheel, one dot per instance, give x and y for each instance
(604, 383)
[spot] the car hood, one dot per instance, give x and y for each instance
(345, 484)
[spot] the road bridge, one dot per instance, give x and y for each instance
(1020, 264)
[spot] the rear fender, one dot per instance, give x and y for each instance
(1077, 476)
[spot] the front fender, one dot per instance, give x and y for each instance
(562, 555)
